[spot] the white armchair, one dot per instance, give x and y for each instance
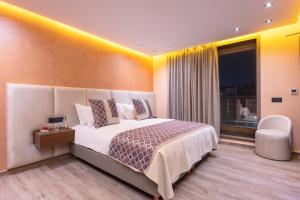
(273, 138)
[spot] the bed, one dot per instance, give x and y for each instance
(169, 162)
(91, 144)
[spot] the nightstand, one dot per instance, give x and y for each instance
(52, 138)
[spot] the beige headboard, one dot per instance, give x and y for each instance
(29, 106)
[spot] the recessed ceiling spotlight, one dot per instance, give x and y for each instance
(170, 47)
(237, 29)
(269, 4)
(268, 21)
(141, 44)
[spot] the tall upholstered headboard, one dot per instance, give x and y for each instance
(29, 106)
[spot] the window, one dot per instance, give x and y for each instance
(237, 68)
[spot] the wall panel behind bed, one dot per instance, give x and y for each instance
(28, 108)
(64, 100)
(97, 94)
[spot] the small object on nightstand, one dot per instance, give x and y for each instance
(44, 129)
(55, 122)
(51, 138)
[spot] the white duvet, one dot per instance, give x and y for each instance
(169, 160)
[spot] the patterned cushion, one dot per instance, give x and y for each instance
(104, 111)
(149, 108)
(138, 106)
(142, 108)
(111, 111)
(99, 112)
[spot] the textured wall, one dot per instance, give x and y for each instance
(36, 52)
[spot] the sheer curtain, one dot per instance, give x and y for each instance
(194, 85)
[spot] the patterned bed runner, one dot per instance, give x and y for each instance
(135, 147)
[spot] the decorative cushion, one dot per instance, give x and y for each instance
(113, 108)
(149, 109)
(104, 111)
(142, 108)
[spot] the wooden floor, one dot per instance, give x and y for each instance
(231, 172)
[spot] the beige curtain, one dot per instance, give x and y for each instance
(194, 85)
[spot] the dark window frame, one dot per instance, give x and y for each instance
(236, 47)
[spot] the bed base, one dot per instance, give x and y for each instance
(109, 165)
(105, 163)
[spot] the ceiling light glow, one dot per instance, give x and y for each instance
(237, 29)
(268, 21)
(269, 4)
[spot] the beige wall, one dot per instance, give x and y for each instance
(37, 52)
(160, 85)
(279, 72)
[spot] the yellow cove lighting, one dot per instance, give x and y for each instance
(11, 10)
(36, 19)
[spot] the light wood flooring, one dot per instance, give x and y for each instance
(231, 172)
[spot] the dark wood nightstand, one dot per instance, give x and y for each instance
(51, 138)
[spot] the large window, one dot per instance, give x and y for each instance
(237, 66)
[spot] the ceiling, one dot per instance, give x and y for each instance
(158, 24)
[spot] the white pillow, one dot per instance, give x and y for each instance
(85, 114)
(121, 110)
(80, 114)
(129, 111)
(88, 114)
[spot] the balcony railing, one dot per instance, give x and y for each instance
(239, 111)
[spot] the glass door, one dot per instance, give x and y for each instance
(237, 68)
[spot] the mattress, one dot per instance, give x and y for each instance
(169, 160)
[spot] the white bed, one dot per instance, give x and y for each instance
(169, 160)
